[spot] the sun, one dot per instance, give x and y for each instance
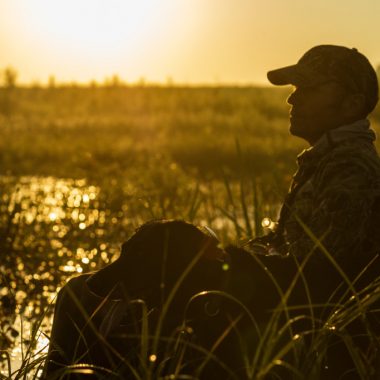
(81, 40)
(95, 25)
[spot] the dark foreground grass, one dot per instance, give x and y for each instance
(281, 350)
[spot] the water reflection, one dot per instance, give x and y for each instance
(50, 228)
(58, 207)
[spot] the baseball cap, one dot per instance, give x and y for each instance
(325, 63)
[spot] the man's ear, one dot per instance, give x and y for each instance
(354, 105)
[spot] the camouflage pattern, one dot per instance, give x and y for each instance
(334, 196)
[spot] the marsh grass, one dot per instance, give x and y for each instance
(276, 350)
(32, 355)
(279, 351)
(274, 345)
(215, 156)
(100, 132)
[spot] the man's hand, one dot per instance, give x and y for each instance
(272, 244)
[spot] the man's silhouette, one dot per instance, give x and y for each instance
(329, 224)
(333, 200)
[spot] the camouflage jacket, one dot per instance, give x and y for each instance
(335, 195)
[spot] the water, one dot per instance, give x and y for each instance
(52, 229)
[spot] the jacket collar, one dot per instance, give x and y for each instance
(359, 130)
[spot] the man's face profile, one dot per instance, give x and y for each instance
(335, 86)
(316, 109)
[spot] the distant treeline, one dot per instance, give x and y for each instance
(9, 79)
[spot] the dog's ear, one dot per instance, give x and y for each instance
(241, 260)
(253, 279)
(242, 274)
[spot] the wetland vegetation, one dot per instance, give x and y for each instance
(83, 166)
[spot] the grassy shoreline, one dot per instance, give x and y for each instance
(220, 156)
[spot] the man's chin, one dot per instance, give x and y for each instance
(297, 130)
(294, 129)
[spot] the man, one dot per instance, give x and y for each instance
(329, 224)
(333, 203)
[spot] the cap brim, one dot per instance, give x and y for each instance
(284, 75)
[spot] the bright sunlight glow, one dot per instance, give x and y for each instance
(99, 25)
(89, 39)
(190, 41)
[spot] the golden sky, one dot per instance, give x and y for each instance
(190, 41)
